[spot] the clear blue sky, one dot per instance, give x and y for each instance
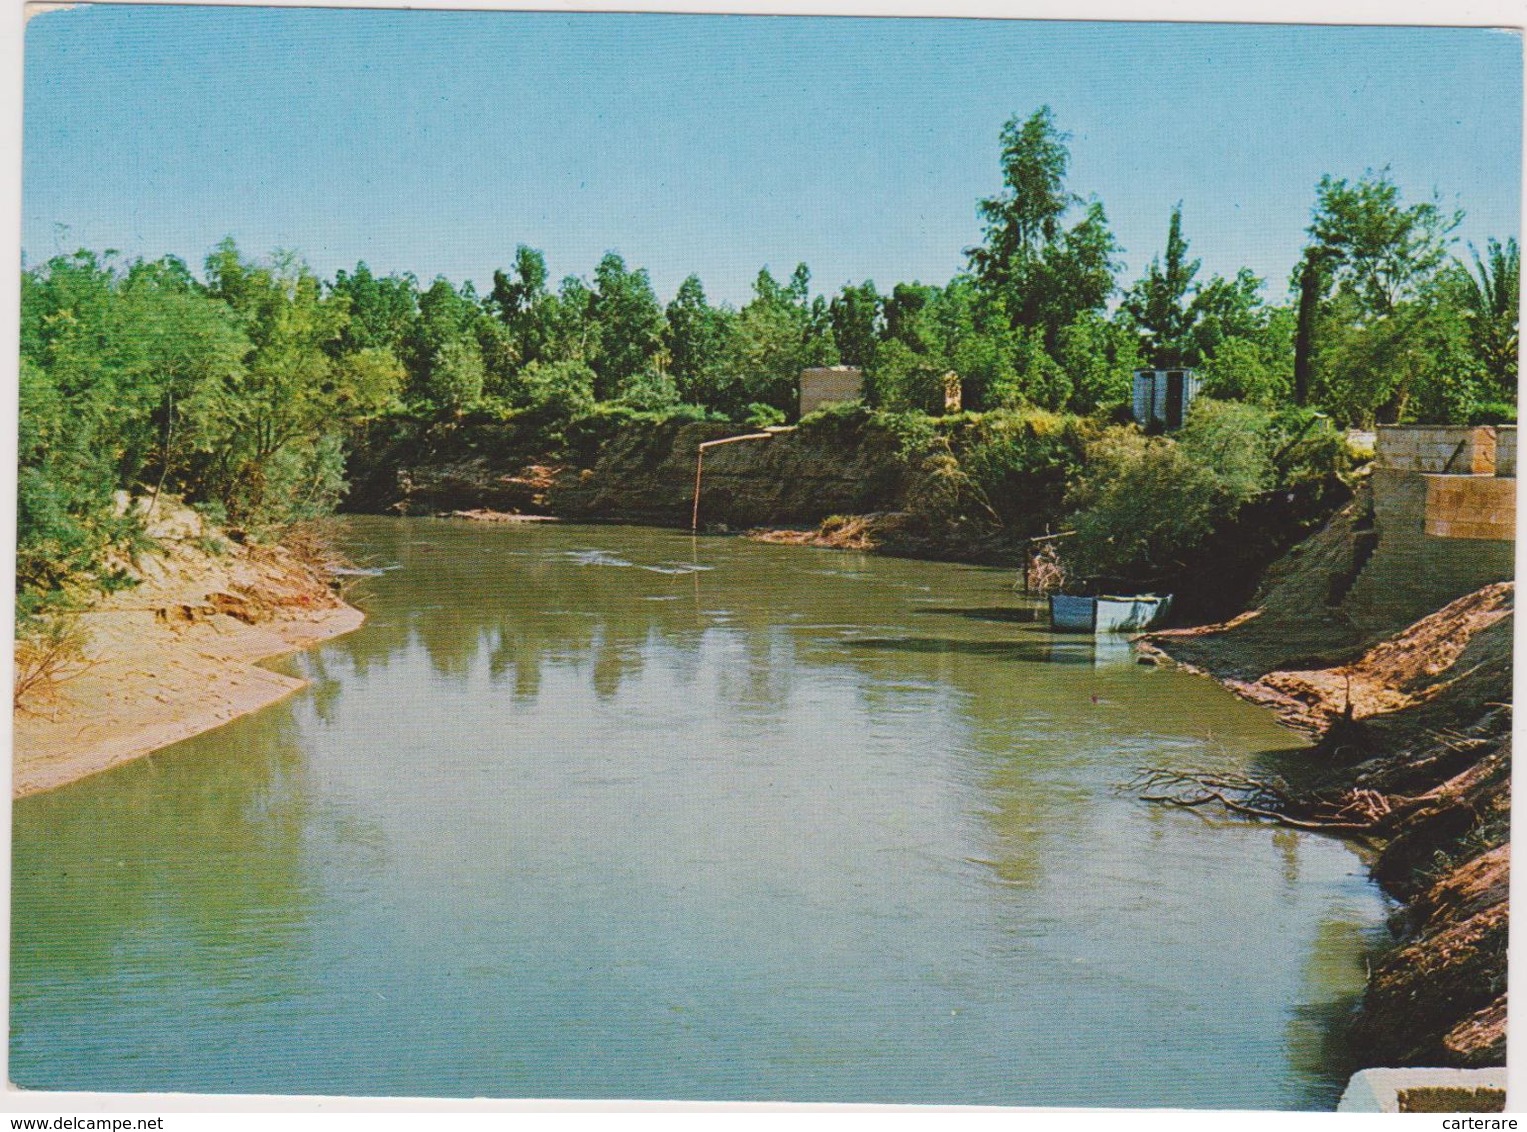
(434, 142)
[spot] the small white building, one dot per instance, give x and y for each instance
(1162, 396)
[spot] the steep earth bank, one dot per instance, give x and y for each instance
(1413, 757)
(838, 464)
(840, 479)
(175, 654)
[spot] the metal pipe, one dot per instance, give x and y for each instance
(694, 520)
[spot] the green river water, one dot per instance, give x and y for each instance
(598, 811)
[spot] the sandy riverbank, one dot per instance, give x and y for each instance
(175, 655)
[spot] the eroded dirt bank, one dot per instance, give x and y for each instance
(1413, 757)
(176, 654)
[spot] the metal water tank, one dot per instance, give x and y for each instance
(1162, 396)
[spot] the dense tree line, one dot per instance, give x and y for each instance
(239, 388)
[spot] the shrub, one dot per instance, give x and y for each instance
(1235, 442)
(760, 415)
(1141, 505)
(50, 649)
(1022, 460)
(649, 392)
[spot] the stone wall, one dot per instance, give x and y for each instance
(1505, 450)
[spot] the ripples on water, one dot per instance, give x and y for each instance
(725, 821)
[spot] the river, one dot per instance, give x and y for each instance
(600, 811)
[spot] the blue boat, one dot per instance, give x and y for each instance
(1108, 613)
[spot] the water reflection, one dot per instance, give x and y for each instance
(102, 890)
(571, 816)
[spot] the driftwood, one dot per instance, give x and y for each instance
(1356, 812)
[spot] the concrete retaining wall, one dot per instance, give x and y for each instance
(1413, 573)
(1471, 507)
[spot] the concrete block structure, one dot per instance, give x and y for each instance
(1444, 521)
(1505, 450)
(1385, 1090)
(953, 393)
(1440, 449)
(828, 385)
(1474, 507)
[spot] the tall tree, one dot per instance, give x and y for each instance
(696, 341)
(1491, 296)
(855, 314)
(1374, 263)
(1378, 249)
(1025, 218)
(1160, 301)
(1043, 273)
(630, 325)
(272, 416)
(520, 301)
(382, 310)
(776, 335)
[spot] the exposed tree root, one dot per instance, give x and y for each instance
(1356, 812)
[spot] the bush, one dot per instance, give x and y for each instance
(760, 415)
(649, 392)
(1493, 413)
(1022, 461)
(564, 386)
(1235, 442)
(50, 649)
(1141, 506)
(1309, 448)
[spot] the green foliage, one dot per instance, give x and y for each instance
(650, 392)
(1097, 356)
(1308, 448)
(628, 327)
(65, 522)
(1022, 462)
(1159, 302)
(1375, 248)
(903, 380)
(696, 340)
(1234, 441)
(1394, 328)
(855, 315)
(568, 385)
(1044, 274)
(240, 391)
(775, 336)
(1223, 309)
(763, 416)
(1042, 381)
(456, 375)
(1490, 297)
(1413, 364)
(915, 433)
(523, 304)
(1142, 505)
(1238, 370)
(382, 311)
